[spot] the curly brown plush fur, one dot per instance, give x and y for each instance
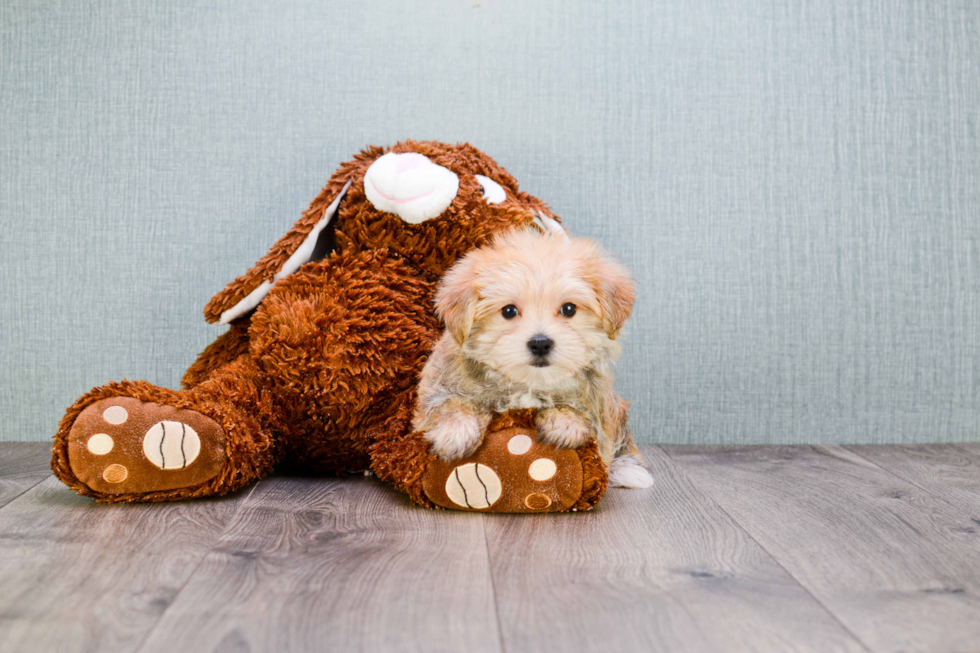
(322, 374)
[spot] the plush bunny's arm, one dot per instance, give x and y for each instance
(285, 257)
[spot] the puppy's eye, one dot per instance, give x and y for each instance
(509, 312)
(568, 310)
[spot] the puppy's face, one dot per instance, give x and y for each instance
(540, 309)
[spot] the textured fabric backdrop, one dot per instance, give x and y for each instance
(795, 185)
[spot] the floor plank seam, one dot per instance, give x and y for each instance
(25, 491)
(217, 540)
(493, 585)
(769, 553)
(931, 493)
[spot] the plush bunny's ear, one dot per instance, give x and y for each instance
(286, 256)
(547, 224)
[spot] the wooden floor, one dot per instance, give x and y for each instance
(733, 549)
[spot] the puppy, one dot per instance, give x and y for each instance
(531, 322)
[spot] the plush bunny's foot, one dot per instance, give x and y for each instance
(134, 441)
(514, 471)
(122, 445)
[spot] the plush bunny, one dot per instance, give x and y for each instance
(328, 333)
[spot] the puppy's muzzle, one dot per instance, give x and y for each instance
(540, 346)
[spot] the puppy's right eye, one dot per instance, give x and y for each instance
(509, 312)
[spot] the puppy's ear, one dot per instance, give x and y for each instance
(616, 291)
(456, 298)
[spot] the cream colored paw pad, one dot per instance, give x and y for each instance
(473, 486)
(519, 444)
(115, 415)
(100, 444)
(171, 445)
(542, 469)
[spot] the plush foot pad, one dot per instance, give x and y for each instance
(510, 472)
(122, 445)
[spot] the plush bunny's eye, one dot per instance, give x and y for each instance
(493, 192)
(510, 312)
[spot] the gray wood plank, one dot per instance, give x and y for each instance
(337, 564)
(946, 470)
(81, 576)
(662, 569)
(22, 466)
(898, 566)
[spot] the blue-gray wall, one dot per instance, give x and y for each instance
(796, 185)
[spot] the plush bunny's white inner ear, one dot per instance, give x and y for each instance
(548, 225)
(493, 192)
(299, 257)
(411, 186)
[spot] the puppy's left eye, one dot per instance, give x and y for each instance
(509, 312)
(568, 310)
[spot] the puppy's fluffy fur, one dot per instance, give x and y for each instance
(495, 302)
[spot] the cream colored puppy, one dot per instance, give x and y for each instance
(531, 322)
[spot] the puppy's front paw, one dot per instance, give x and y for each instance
(457, 437)
(562, 428)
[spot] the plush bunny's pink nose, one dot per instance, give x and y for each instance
(410, 185)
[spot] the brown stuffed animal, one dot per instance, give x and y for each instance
(329, 332)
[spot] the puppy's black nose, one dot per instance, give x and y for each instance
(540, 345)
